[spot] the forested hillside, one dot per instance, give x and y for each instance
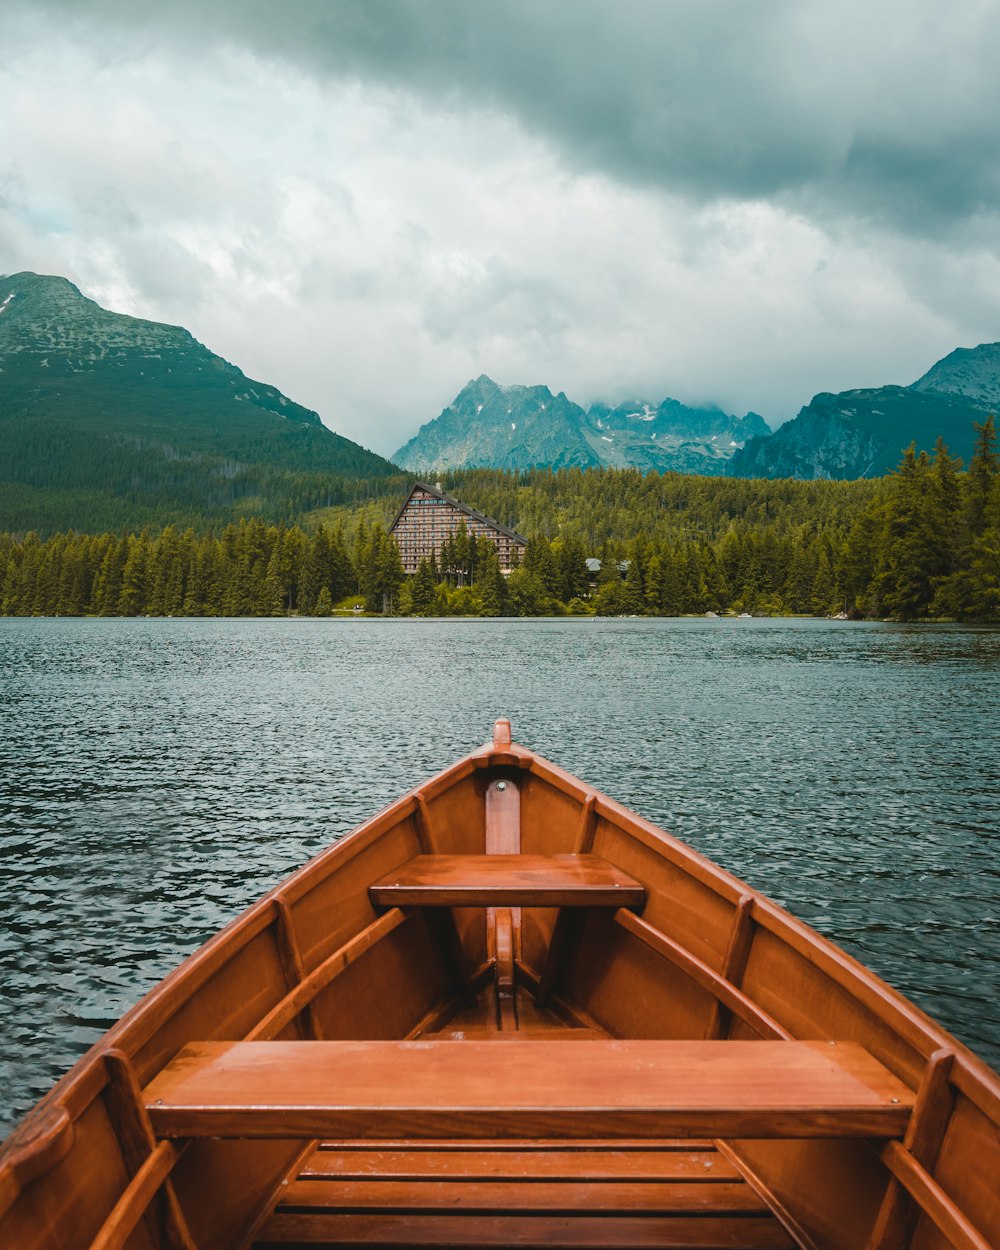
(109, 421)
(919, 544)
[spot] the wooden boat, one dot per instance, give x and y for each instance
(507, 1011)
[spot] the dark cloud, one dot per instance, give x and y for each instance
(885, 112)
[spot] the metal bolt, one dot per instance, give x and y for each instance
(894, 1100)
(501, 785)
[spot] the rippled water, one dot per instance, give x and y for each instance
(156, 776)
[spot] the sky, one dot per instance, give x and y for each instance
(369, 202)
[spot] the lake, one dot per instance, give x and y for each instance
(156, 776)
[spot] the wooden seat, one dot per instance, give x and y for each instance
(603, 1089)
(507, 881)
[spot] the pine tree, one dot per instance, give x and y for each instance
(490, 583)
(423, 590)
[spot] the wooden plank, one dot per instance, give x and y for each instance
(507, 881)
(570, 1197)
(302, 995)
(932, 1200)
(732, 998)
(562, 1232)
(537, 1088)
(508, 1144)
(703, 1166)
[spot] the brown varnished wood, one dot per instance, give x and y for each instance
(933, 1201)
(966, 1169)
(559, 1231)
(506, 881)
(551, 1161)
(291, 961)
(150, 1182)
(301, 995)
(45, 1140)
(588, 825)
(923, 1139)
(735, 1002)
(441, 923)
(504, 989)
(509, 1145)
(422, 820)
(503, 925)
(610, 1197)
(391, 987)
(828, 1190)
(721, 1017)
(135, 1202)
(563, 939)
(636, 1088)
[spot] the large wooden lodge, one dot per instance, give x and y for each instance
(429, 516)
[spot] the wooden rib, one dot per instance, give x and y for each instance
(737, 1002)
(733, 966)
(923, 1140)
(284, 1012)
(588, 825)
(640, 1232)
(291, 960)
(932, 1200)
(138, 1143)
(134, 1202)
(422, 824)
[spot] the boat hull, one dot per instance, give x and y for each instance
(707, 958)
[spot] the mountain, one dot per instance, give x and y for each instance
(863, 433)
(524, 427)
(109, 420)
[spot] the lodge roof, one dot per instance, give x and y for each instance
(463, 508)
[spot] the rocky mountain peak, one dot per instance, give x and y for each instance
(48, 317)
(521, 427)
(970, 371)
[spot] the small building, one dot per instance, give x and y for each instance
(429, 517)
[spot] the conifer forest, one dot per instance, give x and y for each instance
(920, 544)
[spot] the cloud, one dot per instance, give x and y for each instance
(369, 203)
(884, 111)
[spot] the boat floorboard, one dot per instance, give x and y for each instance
(537, 1194)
